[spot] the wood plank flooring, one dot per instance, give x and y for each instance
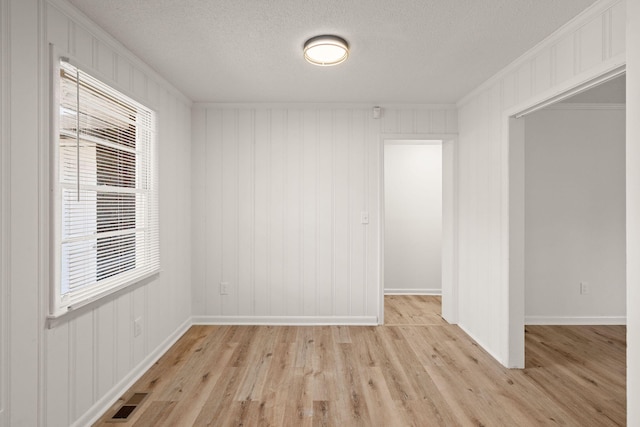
(412, 310)
(417, 370)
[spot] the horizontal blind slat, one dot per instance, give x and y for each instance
(108, 186)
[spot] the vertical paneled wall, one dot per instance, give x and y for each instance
(4, 206)
(67, 374)
(278, 195)
(23, 329)
(594, 41)
(633, 213)
(88, 356)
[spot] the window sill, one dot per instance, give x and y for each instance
(79, 308)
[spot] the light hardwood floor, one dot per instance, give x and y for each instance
(417, 370)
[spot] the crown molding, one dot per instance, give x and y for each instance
(320, 106)
(77, 16)
(571, 26)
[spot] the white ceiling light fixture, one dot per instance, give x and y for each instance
(326, 50)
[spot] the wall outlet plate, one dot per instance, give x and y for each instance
(364, 217)
(137, 327)
(224, 288)
(584, 288)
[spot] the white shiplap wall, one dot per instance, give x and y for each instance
(67, 374)
(633, 213)
(278, 193)
(585, 47)
(23, 315)
(4, 207)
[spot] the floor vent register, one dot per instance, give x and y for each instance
(128, 408)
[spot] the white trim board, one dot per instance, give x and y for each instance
(607, 70)
(575, 320)
(570, 106)
(321, 105)
(413, 291)
(287, 320)
(101, 406)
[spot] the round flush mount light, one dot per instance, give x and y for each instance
(326, 50)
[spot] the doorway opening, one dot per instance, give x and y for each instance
(567, 200)
(413, 217)
(418, 224)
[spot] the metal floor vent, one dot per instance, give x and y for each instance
(128, 408)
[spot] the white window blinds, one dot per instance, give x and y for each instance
(107, 230)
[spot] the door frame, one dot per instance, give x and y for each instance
(449, 219)
(513, 128)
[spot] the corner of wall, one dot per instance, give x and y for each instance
(540, 73)
(633, 212)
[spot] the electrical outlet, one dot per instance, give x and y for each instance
(137, 327)
(224, 288)
(364, 217)
(584, 288)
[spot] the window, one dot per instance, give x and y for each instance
(105, 199)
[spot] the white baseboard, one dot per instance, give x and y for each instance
(101, 406)
(396, 291)
(575, 320)
(286, 320)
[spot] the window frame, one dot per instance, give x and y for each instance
(61, 304)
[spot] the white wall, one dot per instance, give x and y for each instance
(633, 213)
(278, 193)
(4, 203)
(67, 374)
(589, 45)
(575, 214)
(413, 217)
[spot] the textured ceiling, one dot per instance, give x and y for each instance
(403, 51)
